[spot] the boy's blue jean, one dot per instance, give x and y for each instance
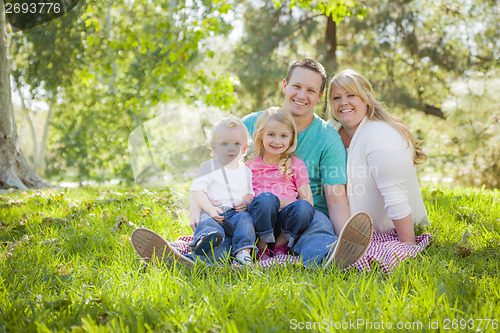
(238, 231)
(270, 222)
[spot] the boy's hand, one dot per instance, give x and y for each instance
(215, 215)
(215, 203)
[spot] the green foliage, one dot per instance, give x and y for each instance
(113, 62)
(66, 264)
(338, 9)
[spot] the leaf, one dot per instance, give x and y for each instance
(58, 304)
(462, 251)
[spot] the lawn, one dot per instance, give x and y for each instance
(66, 264)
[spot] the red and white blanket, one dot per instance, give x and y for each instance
(385, 250)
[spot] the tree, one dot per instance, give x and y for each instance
(117, 61)
(14, 169)
(278, 32)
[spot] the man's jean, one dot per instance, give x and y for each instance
(238, 231)
(314, 242)
(270, 222)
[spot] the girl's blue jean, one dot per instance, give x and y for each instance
(270, 222)
(238, 231)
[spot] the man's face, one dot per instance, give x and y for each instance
(302, 92)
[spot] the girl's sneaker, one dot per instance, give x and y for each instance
(264, 254)
(281, 249)
(243, 258)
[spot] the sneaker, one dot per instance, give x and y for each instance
(264, 254)
(148, 244)
(281, 249)
(353, 241)
(243, 258)
(207, 242)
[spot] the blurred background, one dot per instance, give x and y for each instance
(84, 82)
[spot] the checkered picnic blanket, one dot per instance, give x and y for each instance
(385, 249)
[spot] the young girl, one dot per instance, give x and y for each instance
(278, 178)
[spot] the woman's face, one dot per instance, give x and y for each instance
(349, 109)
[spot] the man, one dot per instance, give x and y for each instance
(321, 149)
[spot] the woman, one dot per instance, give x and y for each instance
(381, 160)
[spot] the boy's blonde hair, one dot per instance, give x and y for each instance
(229, 122)
(284, 117)
(355, 83)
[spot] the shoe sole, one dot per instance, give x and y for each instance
(353, 241)
(149, 245)
(209, 242)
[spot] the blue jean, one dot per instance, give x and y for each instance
(238, 231)
(270, 222)
(314, 242)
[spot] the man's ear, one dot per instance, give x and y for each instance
(321, 94)
(284, 85)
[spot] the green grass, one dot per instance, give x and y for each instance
(67, 265)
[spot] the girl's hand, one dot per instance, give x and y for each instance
(215, 215)
(284, 203)
(241, 206)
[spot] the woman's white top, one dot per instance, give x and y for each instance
(381, 177)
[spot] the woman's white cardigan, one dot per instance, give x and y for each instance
(381, 176)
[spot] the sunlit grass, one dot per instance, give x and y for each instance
(66, 264)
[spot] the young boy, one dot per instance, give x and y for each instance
(227, 180)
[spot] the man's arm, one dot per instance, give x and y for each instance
(338, 206)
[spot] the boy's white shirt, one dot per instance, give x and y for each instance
(210, 180)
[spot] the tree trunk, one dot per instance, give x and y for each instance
(26, 113)
(331, 45)
(14, 170)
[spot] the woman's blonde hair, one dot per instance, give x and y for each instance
(355, 83)
(283, 117)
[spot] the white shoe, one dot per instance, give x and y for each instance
(352, 243)
(243, 258)
(148, 244)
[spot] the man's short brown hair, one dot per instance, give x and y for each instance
(311, 64)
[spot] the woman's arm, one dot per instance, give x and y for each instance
(391, 165)
(404, 228)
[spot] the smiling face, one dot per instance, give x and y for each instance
(229, 144)
(348, 108)
(302, 92)
(276, 138)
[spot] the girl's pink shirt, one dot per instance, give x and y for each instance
(266, 178)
